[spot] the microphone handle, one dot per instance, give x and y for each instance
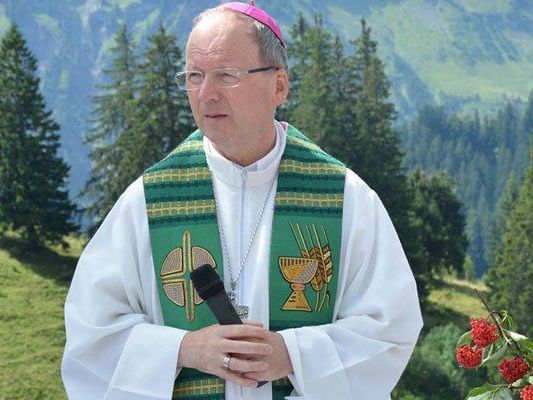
(222, 309)
(225, 314)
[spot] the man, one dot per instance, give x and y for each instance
(305, 249)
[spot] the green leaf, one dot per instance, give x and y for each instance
(527, 345)
(496, 356)
(466, 338)
(490, 392)
(508, 320)
(516, 336)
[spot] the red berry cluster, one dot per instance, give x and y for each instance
(527, 393)
(514, 369)
(468, 356)
(483, 334)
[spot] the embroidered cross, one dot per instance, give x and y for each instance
(175, 271)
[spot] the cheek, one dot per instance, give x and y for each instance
(249, 104)
(193, 103)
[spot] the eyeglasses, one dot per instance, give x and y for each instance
(223, 77)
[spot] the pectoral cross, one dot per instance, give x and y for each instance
(242, 311)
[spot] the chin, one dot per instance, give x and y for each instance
(217, 136)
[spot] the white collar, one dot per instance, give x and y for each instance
(260, 172)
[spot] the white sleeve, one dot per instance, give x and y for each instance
(116, 345)
(377, 319)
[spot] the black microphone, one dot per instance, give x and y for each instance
(211, 289)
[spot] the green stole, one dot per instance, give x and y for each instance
(304, 252)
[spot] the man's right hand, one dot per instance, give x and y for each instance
(206, 348)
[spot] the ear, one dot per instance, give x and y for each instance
(282, 87)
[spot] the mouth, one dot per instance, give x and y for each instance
(215, 116)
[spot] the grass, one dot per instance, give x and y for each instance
(33, 287)
(454, 301)
(456, 52)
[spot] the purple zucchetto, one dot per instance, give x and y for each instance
(258, 14)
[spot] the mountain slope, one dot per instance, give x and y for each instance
(461, 53)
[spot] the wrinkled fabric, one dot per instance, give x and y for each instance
(117, 346)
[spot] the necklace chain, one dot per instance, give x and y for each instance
(233, 281)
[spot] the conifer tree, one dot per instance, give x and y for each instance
(376, 143)
(344, 106)
(479, 153)
(440, 222)
(112, 116)
(33, 179)
(162, 115)
(510, 277)
(527, 121)
(374, 146)
(298, 54)
(317, 94)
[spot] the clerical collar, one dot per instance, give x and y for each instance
(258, 173)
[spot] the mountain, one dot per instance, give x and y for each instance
(460, 53)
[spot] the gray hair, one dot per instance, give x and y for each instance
(271, 50)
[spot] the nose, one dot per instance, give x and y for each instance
(208, 90)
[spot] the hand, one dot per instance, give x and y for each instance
(206, 348)
(279, 362)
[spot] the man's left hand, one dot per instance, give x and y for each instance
(279, 362)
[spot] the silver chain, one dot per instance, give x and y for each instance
(252, 238)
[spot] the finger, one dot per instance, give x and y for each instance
(236, 378)
(244, 330)
(243, 347)
(254, 323)
(239, 365)
(256, 376)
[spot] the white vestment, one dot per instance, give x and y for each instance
(118, 349)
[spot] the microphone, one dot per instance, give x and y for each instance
(211, 289)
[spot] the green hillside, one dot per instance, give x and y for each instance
(32, 293)
(463, 54)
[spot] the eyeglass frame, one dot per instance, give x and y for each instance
(239, 73)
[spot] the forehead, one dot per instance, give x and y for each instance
(222, 40)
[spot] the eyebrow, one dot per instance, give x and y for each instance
(194, 67)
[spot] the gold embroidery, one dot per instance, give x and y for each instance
(191, 146)
(175, 174)
(158, 210)
(176, 285)
(315, 267)
(302, 143)
(309, 200)
(300, 167)
(199, 387)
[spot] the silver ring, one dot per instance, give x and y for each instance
(225, 362)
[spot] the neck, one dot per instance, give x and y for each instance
(247, 153)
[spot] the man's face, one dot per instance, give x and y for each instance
(237, 116)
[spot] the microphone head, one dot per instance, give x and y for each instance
(206, 281)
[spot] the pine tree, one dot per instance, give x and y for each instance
(376, 143)
(162, 115)
(298, 54)
(112, 116)
(440, 223)
(33, 179)
(343, 105)
(375, 148)
(315, 112)
(527, 120)
(510, 277)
